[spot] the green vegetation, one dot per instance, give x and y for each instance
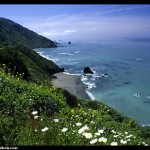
(24, 60)
(35, 113)
(12, 34)
(38, 114)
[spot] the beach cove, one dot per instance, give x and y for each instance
(71, 83)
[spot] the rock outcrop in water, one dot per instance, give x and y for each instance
(87, 70)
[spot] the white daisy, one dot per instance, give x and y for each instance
(78, 124)
(56, 120)
(35, 117)
(64, 129)
(45, 129)
(34, 112)
(93, 141)
(102, 139)
(87, 135)
(114, 144)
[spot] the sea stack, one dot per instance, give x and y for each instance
(87, 70)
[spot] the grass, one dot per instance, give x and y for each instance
(38, 114)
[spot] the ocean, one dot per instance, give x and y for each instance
(126, 65)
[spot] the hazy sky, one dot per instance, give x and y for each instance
(82, 22)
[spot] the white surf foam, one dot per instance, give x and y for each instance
(90, 95)
(65, 54)
(90, 85)
(71, 74)
(148, 97)
(84, 78)
(47, 57)
(136, 95)
(145, 125)
(138, 59)
(76, 52)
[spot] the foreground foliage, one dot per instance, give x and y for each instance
(38, 114)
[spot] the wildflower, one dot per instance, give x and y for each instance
(35, 117)
(72, 111)
(78, 124)
(87, 135)
(100, 131)
(123, 142)
(94, 111)
(83, 129)
(86, 127)
(115, 136)
(34, 112)
(64, 129)
(102, 139)
(78, 104)
(119, 133)
(134, 137)
(97, 133)
(85, 120)
(55, 120)
(114, 144)
(113, 131)
(93, 141)
(92, 122)
(35, 130)
(129, 136)
(45, 129)
(126, 132)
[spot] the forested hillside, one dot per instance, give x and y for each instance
(12, 34)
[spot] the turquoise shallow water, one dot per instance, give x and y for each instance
(127, 63)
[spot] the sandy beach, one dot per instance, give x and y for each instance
(71, 83)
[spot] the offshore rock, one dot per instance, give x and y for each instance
(88, 70)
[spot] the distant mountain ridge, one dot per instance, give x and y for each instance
(12, 34)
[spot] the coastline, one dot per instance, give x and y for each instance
(71, 83)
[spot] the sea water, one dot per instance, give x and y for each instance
(121, 76)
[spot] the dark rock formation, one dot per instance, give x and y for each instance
(54, 77)
(62, 70)
(127, 82)
(87, 70)
(104, 75)
(69, 42)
